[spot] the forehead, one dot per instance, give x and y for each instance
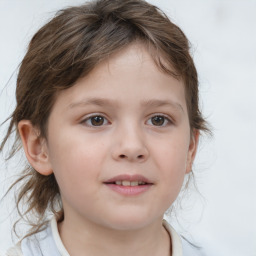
(138, 52)
(129, 75)
(139, 59)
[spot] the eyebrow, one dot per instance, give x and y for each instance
(102, 102)
(93, 101)
(160, 103)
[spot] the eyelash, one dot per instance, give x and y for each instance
(89, 119)
(166, 120)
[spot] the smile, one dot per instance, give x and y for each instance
(129, 180)
(129, 183)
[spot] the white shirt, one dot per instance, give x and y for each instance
(48, 243)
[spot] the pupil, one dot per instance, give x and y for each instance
(157, 120)
(97, 120)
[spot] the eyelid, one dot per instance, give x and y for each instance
(89, 116)
(167, 118)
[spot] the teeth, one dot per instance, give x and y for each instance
(129, 183)
(126, 183)
(134, 183)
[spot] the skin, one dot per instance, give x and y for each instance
(126, 92)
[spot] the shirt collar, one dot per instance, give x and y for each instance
(175, 239)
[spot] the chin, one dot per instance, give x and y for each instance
(130, 221)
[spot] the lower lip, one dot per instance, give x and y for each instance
(129, 190)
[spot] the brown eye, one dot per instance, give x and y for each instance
(159, 120)
(95, 121)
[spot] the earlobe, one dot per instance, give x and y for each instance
(35, 147)
(192, 150)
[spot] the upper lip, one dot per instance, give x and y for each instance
(127, 177)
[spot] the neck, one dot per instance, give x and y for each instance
(87, 238)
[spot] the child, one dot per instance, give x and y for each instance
(107, 113)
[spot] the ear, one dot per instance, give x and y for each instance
(35, 147)
(192, 149)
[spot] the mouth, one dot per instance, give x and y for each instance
(129, 185)
(129, 180)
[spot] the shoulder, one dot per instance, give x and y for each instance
(190, 249)
(180, 245)
(14, 251)
(43, 243)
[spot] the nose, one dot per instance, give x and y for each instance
(130, 145)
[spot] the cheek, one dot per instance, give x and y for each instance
(171, 160)
(172, 156)
(172, 177)
(76, 164)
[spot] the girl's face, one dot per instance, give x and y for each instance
(119, 142)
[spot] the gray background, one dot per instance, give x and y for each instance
(223, 34)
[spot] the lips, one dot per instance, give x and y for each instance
(129, 180)
(129, 185)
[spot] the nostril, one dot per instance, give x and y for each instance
(138, 157)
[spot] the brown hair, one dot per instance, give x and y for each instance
(68, 48)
